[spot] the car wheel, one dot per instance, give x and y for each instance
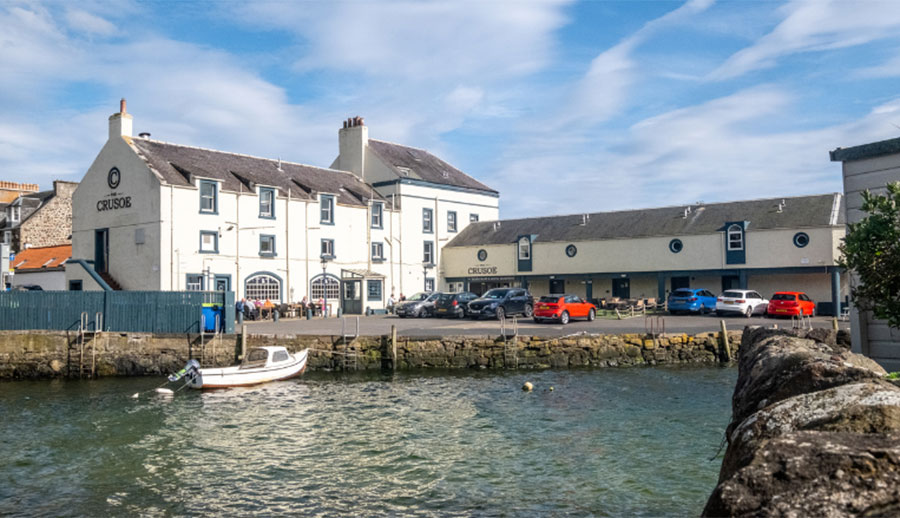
(462, 313)
(748, 312)
(500, 313)
(592, 315)
(528, 311)
(718, 313)
(812, 313)
(702, 309)
(564, 318)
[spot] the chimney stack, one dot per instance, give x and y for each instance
(120, 124)
(353, 139)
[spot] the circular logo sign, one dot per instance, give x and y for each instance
(482, 255)
(571, 250)
(113, 177)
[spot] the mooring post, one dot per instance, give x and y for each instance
(243, 340)
(834, 324)
(393, 347)
(725, 341)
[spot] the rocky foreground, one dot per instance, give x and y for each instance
(815, 431)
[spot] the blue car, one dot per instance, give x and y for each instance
(691, 300)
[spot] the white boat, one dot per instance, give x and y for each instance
(260, 365)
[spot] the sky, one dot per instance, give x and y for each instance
(562, 106)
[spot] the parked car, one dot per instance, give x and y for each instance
(453, 304)
(563, 307)
(499, 302)
(792, 303)
(419, 305)
(691, 300)
(28, 287)
(741, 302)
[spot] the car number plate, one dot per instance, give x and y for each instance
(728, 301)
(543, 306)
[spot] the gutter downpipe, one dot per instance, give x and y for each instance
(171, 237)
(287, 246)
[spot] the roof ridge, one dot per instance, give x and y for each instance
(47, 246)
(404, 145)
(274, 160)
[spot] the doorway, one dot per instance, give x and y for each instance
(680, 282)
(730, 282)
(621, 288)
(222, 282)
(101, 250)
(351, 304)
(557, 286)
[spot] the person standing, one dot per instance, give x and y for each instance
(390, 304)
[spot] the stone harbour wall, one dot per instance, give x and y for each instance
(815, 431)
(49, 354)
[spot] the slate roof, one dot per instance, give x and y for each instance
(179, 165)
(42, 258)
(872, 150)
(422, 165)
(797, 212)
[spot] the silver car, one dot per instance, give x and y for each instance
(741, 302)
(419, 305)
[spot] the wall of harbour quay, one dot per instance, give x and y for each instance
(51, 354)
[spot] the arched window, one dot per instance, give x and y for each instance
(263, 286)
(735, 237)
(327, 286)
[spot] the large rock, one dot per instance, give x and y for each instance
(814, 431)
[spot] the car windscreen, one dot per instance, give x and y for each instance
(495, 294)
(784, 296)
(733, 294)
(682, 293)
(446, 297)
(417, 297)
(433, 297)
(550, 298)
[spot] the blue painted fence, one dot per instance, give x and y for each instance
(134, 311)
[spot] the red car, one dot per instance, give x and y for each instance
(562, 308)
(792, 303)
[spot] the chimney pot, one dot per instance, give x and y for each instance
(144, 135)
(122, 106)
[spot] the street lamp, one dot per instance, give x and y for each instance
(324, 287)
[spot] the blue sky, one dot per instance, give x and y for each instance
(562, 106)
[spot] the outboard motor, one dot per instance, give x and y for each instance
(190, 370)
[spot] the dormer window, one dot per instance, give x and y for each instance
(266, 203)
(735, 237)
(209, 203)
(524, 248)
(15, 213)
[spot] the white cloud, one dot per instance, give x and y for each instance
(818, 25)
(83, 21)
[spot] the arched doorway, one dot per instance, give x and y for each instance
(263, 286)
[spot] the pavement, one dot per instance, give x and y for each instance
(377, 325)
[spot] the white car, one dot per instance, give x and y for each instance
(741, 302)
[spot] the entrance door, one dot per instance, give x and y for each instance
(730, 282)
(101, 250)
(557, 286)
(352, 301)
(621, 288)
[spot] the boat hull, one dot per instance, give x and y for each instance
(238, 377)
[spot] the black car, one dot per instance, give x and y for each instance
(419, 305)
(500, 302)
(453, 304)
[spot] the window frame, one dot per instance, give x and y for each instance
(326, 200)
(267, 237)
(370, 283)
(473, 218)
(15, 213)
(322, 253)
(187, 281)
(263, 193)
(734, 230)
(427, 220)
(215, 235)
(523, 244)
(215, 196)
(379, 257)
(451, 221)
(428, 252)
(377, 209)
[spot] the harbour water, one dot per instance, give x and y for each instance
(609, 442)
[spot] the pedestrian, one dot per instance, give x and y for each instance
(390, 304)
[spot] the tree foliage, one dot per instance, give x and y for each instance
(872, 250)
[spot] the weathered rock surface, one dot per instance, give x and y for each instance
(815, 431)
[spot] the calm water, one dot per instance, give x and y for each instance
(605, 442)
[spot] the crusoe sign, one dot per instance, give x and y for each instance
(114, 200)
(482, 269)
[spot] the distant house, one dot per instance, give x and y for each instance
(36, 219)
(42, 266)
(870, 167)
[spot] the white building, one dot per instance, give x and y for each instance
(151, 215)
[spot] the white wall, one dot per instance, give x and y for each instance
(50, 281)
